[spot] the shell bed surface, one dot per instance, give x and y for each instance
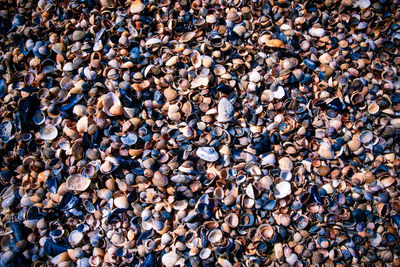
(199, 133)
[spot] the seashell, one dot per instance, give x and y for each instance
(376, 240)
(325, 150)
(82, 125)
(373, 109)
(170, 94)
(215, 236)
(137, 6)
(354, 144)
(180, 179)
(172, 61)
(200, 81)
(110, 164)
(6, 131)
(78, 35)
(166, 239)
(207, 153)
(325, 58)
(80, 110)
(254, 76)
(268, 160)
(363, 4)
(317, 32)
(285, 163)
(267, 232)
(129, 139)
(276, 43)
(159, 179)
(225, 110)
(48, 132)
(283, 189)
(59, 48)
(187, 37)
(366, 137)
(77, 182)
(112, 105)
(75, 237)
(395, 123)
(121, 202)
(169, 259)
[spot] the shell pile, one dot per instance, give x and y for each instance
(199, 133)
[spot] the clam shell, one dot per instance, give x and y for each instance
(137, 6)
(75, 237)
(112, 105)
(169, 259)
(215, 236)
(207, 154)
(48, 132)
(276, 43)
(82, 125)
(129, 139)
(285, 163)
(283, 189)
(5, 131)
(225, 110)
(187, 37)
(77, 182)
(121, 202)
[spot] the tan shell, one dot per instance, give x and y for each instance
(159, 179)
(275, 43)
(77, 182)
(82, 125)
(112, 105)
(137, 6)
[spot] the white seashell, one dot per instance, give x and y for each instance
(152, 42)
(80, 110)
(269, 159)
(364, 4)
(254, 76)
(75, 237)
(68, 67)
(250, 191)
(146, 215)
(283, 190)
(82, 125)
(169, 259)
(121, 202)
(172, 61)
(207, 154)
(279, 93)
(317, 32)
(166, 239)
(195, 58)
(205, 253)
(180, 179)
(376, 240)
(215, 236)
(112, 105)
(285, 163)
(200, 81)
(77, 182)
(225, 110)
(48, 133)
